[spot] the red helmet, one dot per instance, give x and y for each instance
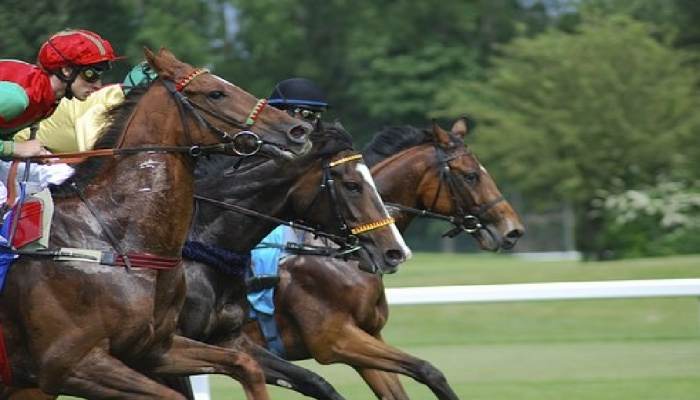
(71, 47)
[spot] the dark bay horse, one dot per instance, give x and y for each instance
(330, 189)
(334, 312)
(105, 297)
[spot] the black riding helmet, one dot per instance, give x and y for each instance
(298, 92)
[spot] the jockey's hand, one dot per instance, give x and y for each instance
(29, 148)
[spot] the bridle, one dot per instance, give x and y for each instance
(186, 105)
(463, 221)
(328, 186)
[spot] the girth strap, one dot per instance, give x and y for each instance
(268, 327)
(111, 258)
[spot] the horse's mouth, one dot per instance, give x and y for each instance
(282, 153)
(487, 240)
(367, 263)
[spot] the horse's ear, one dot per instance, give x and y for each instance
(463, 126)
(153, 60)
(439, 134)
(166, 53)
(149, 55)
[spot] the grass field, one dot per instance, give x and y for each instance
(617, 349)
(622, 349)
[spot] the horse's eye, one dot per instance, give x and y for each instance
(471, 178)
(352, 186)
(216, 95)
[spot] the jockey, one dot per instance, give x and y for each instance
(70, 64)
(75, 124)
(301, 98)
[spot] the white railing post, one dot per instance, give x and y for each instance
(200, 387)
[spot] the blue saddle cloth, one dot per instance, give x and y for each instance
(265, 259)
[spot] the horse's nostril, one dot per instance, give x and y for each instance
(299, 131)
(394, 257)
(515, 234)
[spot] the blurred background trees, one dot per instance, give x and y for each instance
(580, 104)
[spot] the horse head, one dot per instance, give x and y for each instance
(466, 191)
(340, 186)
(442, 179)
(218, 110)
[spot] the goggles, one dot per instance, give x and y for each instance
(92, 73)
(305, 113)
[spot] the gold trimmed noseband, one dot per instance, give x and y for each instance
(372, 226)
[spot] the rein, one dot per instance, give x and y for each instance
(277, 221)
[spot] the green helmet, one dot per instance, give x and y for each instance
(140, 75)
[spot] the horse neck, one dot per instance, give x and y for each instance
(145, 198)
(264, 189)
(399, 180)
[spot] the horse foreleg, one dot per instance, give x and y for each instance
(385, 385)
(360, 350)
(282, 373)
(188, 357)
(98, 376)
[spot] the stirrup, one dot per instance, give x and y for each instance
(258, 283)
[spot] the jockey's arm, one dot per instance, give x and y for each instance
(13, 100)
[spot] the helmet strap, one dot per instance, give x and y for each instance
(69, 80)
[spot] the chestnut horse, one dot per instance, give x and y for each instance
(332, 311)
(330, 189)
(105, 297)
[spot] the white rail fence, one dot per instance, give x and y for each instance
(521, 292)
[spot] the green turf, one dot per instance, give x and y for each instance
(616, 349)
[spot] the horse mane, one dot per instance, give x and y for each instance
(117, 117)
(392, 140)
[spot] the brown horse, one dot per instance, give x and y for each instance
(74, 320)
(330, 189)
(332, 311)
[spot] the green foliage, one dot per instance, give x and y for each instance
(569, 115)
(661, 220)
(33, 22)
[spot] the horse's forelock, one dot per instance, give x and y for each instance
(332, 139)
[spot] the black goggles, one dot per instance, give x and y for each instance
(305, 113)
(92, 73)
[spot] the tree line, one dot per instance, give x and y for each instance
(582, 104)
